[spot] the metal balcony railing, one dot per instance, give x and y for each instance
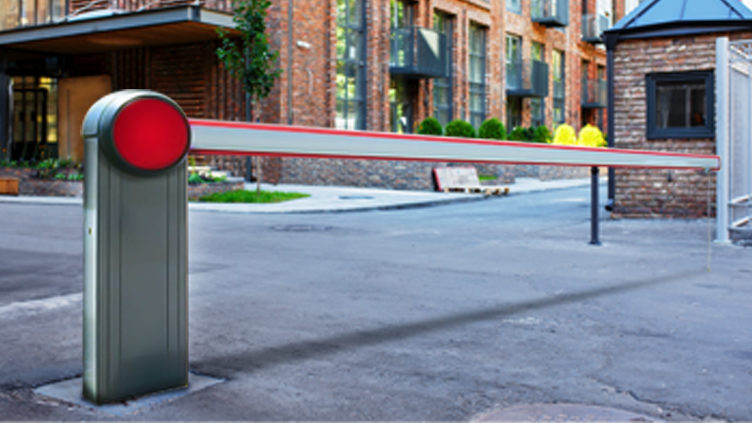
(418, 52)
(594, 94)
(550, 12)
(593, 26)
(527, 78)
(17, 14)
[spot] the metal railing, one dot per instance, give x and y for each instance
(17, 14)
(550, 12)
(594, 94)
(418, 52)
(527, 78)
(593, 26)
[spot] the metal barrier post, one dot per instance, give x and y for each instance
(135, 246)
(722, 137)
(594, 206)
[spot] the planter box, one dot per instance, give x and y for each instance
(8, 186)
(29, 184)
(200, 190)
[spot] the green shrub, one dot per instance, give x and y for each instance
(565, 135)
(459, 128)
(542, 135)
(195, 178)
(492, 129)
(518, 134)
(591, 136)
(430, 126)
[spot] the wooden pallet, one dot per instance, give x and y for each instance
(8, 186)
(488, 191)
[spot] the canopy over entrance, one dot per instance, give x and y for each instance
(109, 30)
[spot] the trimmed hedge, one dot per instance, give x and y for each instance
(430, 126)
(565, 135)
(492, 129)
(518, 134)
(591, 136)
(459, 128)
(542, 135)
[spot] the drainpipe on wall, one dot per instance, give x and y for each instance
(290, 6)
(611, 40)
(6, 106)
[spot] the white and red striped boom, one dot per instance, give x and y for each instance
(237, 138)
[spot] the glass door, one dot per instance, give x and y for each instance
(31, 119)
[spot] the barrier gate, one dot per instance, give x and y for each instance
(135, 220)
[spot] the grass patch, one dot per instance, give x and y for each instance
(486, 178)
(244, 196)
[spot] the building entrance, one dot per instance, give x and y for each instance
(34, 122)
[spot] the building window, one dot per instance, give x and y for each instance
(559, 74)
(513, 55)
(443, 87)
(537, 104)
(680, 105)
(34, 130)
(350, 65)
(400, 110)
(537, 112)
(514, 112)
(514, 6)
(477, 78)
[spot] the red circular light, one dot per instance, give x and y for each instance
(150, 134)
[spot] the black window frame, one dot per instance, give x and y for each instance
(651, 82)
(477, 88)
(356, 65)
(559, 103)
(514, 117)
(512, 8)
(444, 23)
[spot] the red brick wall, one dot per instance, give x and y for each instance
(659, 193)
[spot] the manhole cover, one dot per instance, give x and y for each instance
(301, 228)
(355, 197)
(564, 413)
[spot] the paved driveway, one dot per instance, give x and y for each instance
(442, 313)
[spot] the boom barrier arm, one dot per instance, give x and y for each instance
(237, 138)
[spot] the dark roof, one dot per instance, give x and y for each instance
(691, 15)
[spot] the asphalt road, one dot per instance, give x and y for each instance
(442, 313)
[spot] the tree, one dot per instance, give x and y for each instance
(249, 57)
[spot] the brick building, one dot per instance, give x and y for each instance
(379, 65)
(664, 58)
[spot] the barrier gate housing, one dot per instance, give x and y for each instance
(135, 240)
(734, 139)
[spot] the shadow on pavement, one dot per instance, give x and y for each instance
(273, 356)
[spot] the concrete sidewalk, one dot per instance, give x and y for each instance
(329, 199)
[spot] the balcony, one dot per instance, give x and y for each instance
(418, 53)
(527, 78)
(594, 93)
(593, 27)
(554, 13)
